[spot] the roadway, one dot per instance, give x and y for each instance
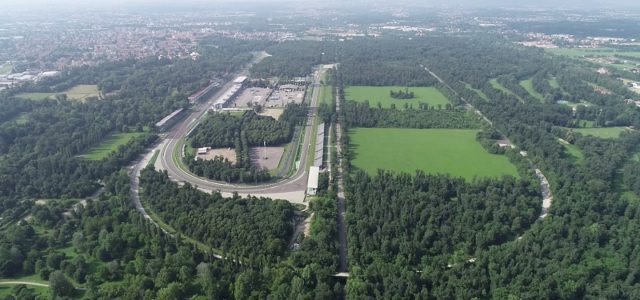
(291, 188)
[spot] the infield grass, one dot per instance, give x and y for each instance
(381, 94)
(110, 145)
(446, 151)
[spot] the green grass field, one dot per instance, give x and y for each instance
(110, 145)
(446, 151)
(573, 150)
(605, 133)
(528, 85)
(380, 94)
(325, 94)
(479, 92)
(78, 93)
(496, 85)
(6, 290)
(580, 52)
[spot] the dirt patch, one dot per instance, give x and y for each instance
(272, 112)
(268, 157)
(228, 153)
(307, 225)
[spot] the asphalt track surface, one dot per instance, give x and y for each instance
(297, 182)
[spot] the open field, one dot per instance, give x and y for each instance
(266, 157)
(110, 145)
(580, 52)
(446, 151)
(380, 94)
(573, 150)
(325, 92)
(496, 85)
(5, 290)
(605, 133)
(528, 85)
(479, 92)
(78, 92)
(272, 112)
(326, 95)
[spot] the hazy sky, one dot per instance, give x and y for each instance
(580, 4)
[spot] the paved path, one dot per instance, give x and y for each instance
(24, 282)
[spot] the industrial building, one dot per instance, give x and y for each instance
(169, 120)
(230, 93)
(202, 93)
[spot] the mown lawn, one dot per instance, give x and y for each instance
(447, 151)
(79, 93)
(479, 92)
(528, 85)
(381, 94)
(110, 145)
(497, 85)
(6, 290)
(605, 132)
(579, 52)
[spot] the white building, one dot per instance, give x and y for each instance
(312, 184)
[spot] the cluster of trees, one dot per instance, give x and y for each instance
(41, 151)
(513, 84)
(585, 248)
(255, 228)
(241, 133)
(386, 61)
(399, 225)
(590, 222)
(117, 254)
(361, 115)
(41, 154)
(294, 59)
(406, 94)
(489, 140)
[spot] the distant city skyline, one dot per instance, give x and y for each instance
(576, 4)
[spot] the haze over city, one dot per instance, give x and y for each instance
(367, 149)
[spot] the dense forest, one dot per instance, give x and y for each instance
(241, 133)
(110, 251)
(400, 224)
(40, 148)
(294, 59)
(586, 248)
(410, 235)
(250, 229)
(361, 115)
